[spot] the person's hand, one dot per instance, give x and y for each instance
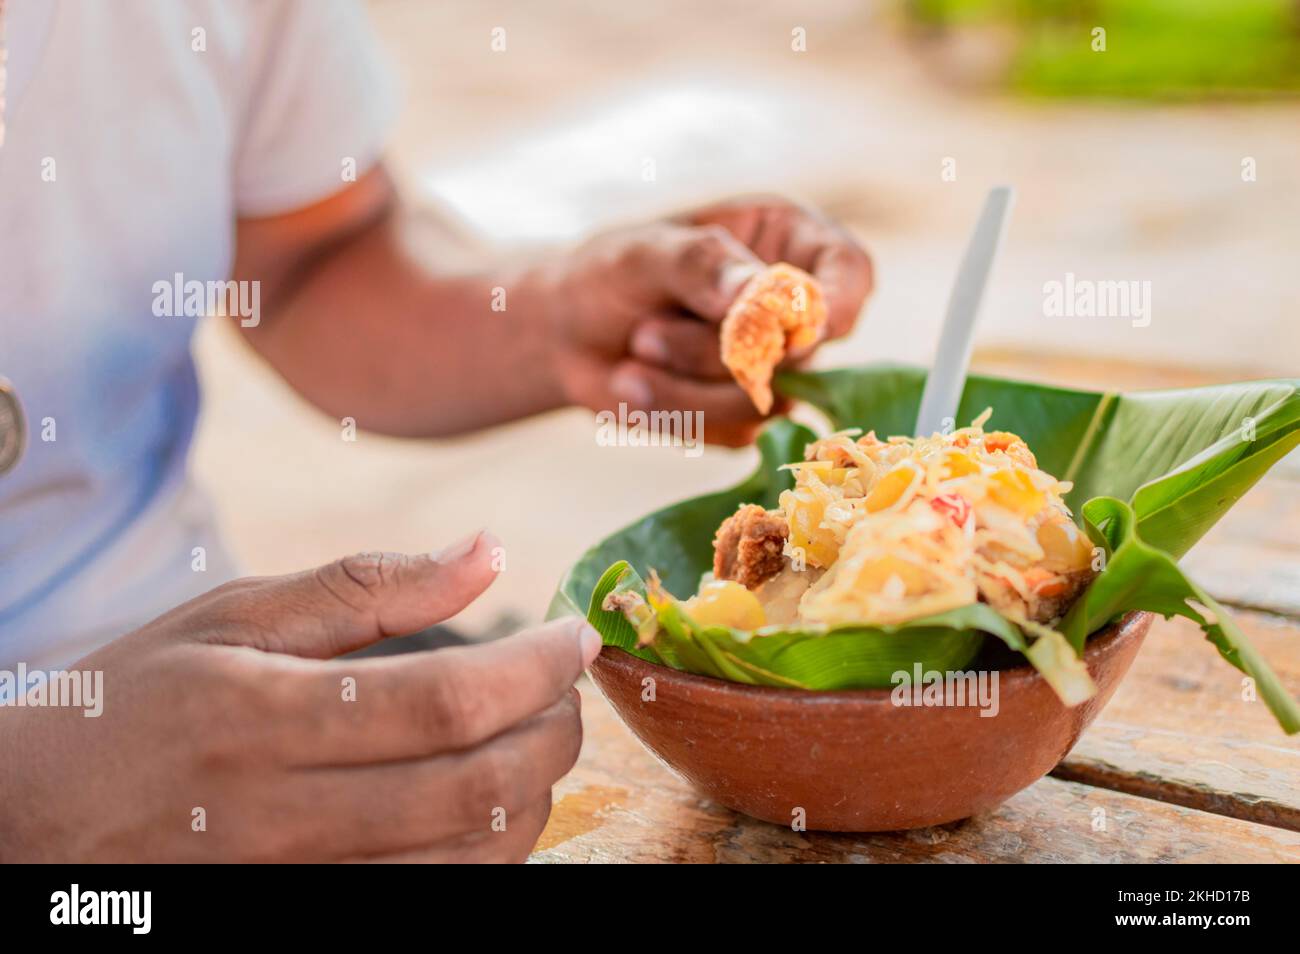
(634, 314)
(228, 715)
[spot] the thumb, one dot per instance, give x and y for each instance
(358, 600)
(703, 269)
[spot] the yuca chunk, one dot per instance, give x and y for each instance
(747, 547)
(780, 308)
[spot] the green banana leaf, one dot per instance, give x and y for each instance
(799, 658)
(1153, 471)
(1139, 576)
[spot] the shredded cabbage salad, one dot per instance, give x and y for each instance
(881, 532)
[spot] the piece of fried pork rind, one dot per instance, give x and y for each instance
(747, 547)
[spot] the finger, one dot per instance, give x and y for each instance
(847, 278)
(648, 388)
(422, 704)
(399, 806)
(680, 344)
(732, 435)
(756, 221)
(512, 845)
(701, 269)
(355, 601)
(744, 433)
(779, 230)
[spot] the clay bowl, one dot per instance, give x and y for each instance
(855, 761)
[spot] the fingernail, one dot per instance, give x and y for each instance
(590, 641)
(650, 345)
(631, 387)
(733, 277)
(458, 550)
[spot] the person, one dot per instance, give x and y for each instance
(150, 149)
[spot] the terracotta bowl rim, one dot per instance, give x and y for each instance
(617, 658)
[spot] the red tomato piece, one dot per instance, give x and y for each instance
(954, 506)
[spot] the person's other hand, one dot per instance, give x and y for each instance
(231, 710)
(634, 314)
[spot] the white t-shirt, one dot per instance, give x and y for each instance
(136, 132)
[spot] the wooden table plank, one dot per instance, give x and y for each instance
(621, 805)
(1252, 556)
(1178, 728)
(1095, 372)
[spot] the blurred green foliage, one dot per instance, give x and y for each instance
(1153, 48)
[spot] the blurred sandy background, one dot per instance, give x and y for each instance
(549, 139)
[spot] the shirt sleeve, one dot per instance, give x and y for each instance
(319, 103)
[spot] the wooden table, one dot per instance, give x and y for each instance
(1179, 767)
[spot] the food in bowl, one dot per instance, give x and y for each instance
(1151, 471)
(877, 533)
(886, 531)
